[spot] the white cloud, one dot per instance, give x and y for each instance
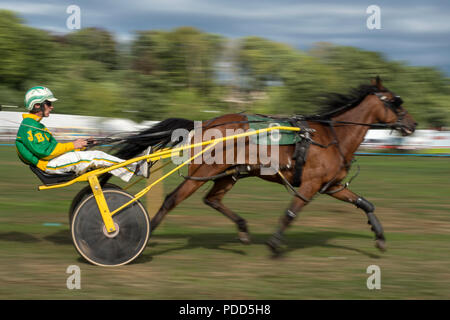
(29, 8)
(124, 37)
(247, 10)
(55, 29)
(417, 19)
(431, 25)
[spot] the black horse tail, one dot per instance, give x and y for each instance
(158, 136)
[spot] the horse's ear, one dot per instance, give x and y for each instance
(377, 83)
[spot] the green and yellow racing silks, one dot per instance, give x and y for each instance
(36, 145)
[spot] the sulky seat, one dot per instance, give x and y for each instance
(49, 179)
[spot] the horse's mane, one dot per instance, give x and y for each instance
(337, 103)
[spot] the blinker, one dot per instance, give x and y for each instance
(397, 101)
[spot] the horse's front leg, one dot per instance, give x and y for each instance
(307, 191)
(349, 196)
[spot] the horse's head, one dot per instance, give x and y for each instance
(389, 110)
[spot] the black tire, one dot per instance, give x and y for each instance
(101, 248)
(83, 193)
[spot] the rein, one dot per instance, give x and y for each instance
(373, 125)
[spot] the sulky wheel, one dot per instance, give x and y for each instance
(98, 246)
(83, 193)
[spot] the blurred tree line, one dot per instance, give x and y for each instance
(187, 73)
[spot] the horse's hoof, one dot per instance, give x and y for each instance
(273, 248)
(244, 237)
(381, 245)
(274, 245)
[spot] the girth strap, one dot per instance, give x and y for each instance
(301, 150)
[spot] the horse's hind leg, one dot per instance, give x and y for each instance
(214, 200)
(183, 191)
(349, 196)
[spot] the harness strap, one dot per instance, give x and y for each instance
(237, 171)
(291, 189)
(344, 186)
(301, 150)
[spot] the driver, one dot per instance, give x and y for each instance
(36, 145)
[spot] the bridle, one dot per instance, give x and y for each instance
(394, 105)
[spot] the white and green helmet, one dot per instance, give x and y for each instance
(38, 95)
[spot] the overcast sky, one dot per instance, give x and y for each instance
(417, 32)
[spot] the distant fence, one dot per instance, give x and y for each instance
(401, 154)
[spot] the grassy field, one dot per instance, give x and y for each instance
(194, 254)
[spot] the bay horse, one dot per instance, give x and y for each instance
(338, 130)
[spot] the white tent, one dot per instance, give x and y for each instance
(118, 125)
